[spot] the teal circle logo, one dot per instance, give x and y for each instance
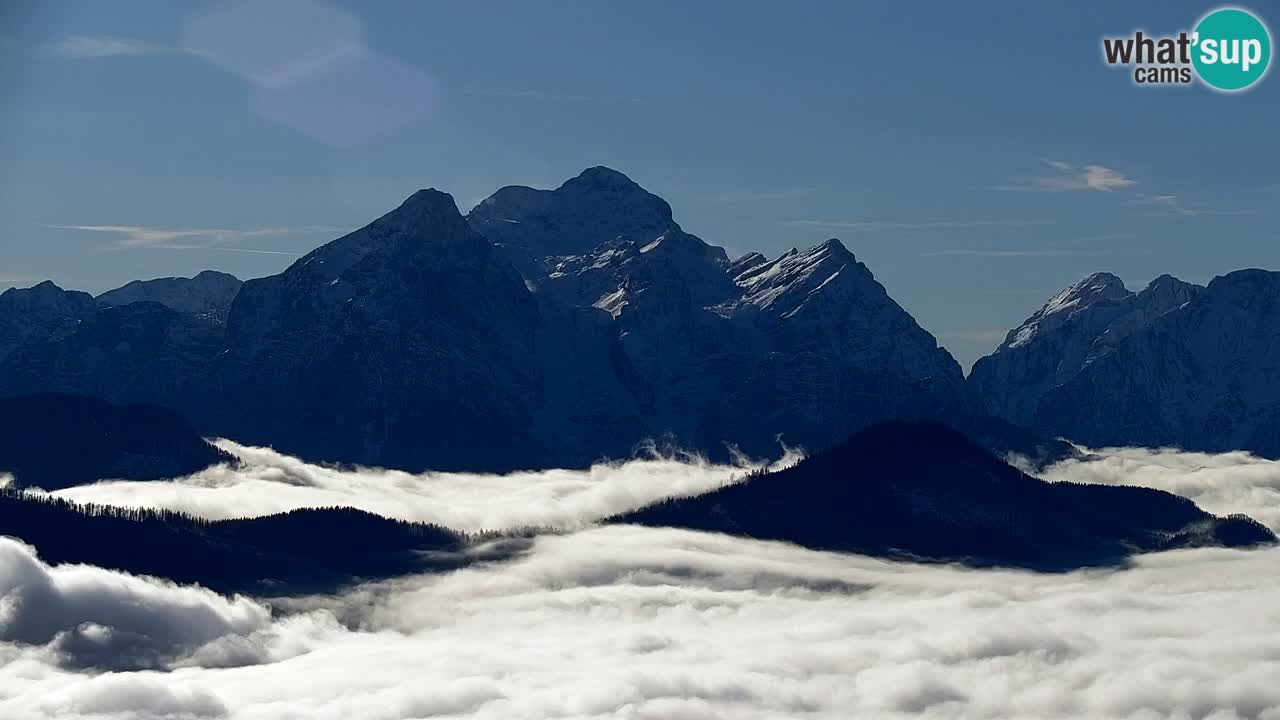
(1232, 49)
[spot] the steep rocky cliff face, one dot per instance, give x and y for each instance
(1204, 376)
(138, 353)
(1077, 327)
(807, 347)
(414, 342)
(41, 313)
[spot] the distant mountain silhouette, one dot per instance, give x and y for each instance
(301, 551)
(208, 295)
(548, 328)
(925, 491)
(56, 441)
(41, 313)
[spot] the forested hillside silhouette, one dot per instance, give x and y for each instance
(312, 550)
(925, 491)
(56, 441)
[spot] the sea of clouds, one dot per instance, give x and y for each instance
(628, 622)
(267, 482)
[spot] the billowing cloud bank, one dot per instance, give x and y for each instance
(628, 622)
(269, 482)
(89, 616)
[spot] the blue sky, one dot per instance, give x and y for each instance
(977, 156)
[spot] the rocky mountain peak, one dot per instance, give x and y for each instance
(209, 294)
(1201, 373)
(39, 313)
(40, 292)
(747, 262)
(1245, 284)
(1079, 325)
(603, 179)
(784, 283)
(1100, 286)
(1168, 292)
(428, 214)
(45, 296)
(595, 207)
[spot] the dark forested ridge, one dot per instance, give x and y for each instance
(923, 490)
(300, 551)
(56, 441)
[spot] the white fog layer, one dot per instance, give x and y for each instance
(1221, 484)
(629, 622)
(268, 482)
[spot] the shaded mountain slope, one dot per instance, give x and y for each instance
(41, 313)
(56, 441)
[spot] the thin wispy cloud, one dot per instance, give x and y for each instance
(144, 236)
(1168, 203)
(528, 94)
(255, 251)
(98, 46)
(8, 280)
(974, 252)
(878, 225)
(1066, 177)
(746, 196)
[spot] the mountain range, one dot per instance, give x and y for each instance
(559, 327)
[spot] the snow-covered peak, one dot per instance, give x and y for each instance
(1098, 288)
(1201, 374)
(747, 262)
(783, 284)
(1095, 287)
(1077, 326)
